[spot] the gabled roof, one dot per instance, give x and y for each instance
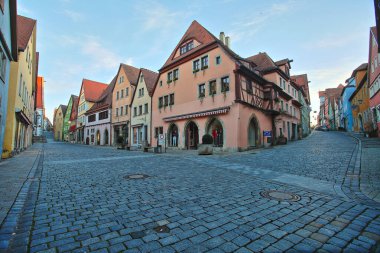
(105, 99)
(150, 78)
(374, 31)
(131, 72)
(262, 61)
(362, 67)
(39, 92)
(74, 107)
(25, 28)
(63, 108)
(92, 89)
(282, 62)
(195, 31)
(303, 83)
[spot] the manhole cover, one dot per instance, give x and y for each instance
(162, 229)
(280, 196)
(136, 176)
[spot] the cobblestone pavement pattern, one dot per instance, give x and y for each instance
(87, 203)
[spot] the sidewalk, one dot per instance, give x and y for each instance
(13, 173)
(370, 166)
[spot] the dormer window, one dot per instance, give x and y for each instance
(187, 47)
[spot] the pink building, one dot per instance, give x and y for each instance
(374, 79)
(204, 87)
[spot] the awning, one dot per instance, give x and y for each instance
(23, 118)
(218, 111)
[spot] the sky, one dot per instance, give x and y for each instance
(89, 39)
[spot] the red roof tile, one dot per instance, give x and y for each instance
(195, 31)
(105, 99)
(374, 31)
(40, 92)
(150, 78)
(263, 61)
(25, 28)
(92, 89)
(131, 72)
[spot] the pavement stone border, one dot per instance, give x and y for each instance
(15, 231)
(351, 182)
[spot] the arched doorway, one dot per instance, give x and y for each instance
(361, 123)
(191, 135)
(253, 133)
(173, 135)
(215, 129)
(97, 137)
(106, 137)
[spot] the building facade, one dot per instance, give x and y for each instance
(204, 87)
(98, 119)
(347, 119)
(59, 115)
(73, 119)
(66, 119)
(374, 80)
(304, 97)
(39, 113)
(361, 112)
(141, 106)
(123, 91)
(89, 93)
(21, 92)
(8, 51)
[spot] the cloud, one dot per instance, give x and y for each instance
(250, 25)
(21, 9)
(74, 16)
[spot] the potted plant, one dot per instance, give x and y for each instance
(206, 148)
(120, 142)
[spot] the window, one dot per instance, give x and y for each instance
(212, 85)
(121, 111)
(140, 109)
(117, 112)
(170, 77)
(141, 78)
(166, 100)
(249, 88)
(117, 95)
(287, 108)
(288, 88)
(92, 118)
(146, 108)
(19, 86)
(171, 99)
(226, 84)
(160, 83)
(160, 102)
(175, 74)
(291, 110)
(195, 65)
(122, 93)
(121, 79)
(218, 60)
(204, 62)
(201, 90)
(282, 105)
(187, 47)
(103, 115)
(135, 111)
(157, 131)
(3, 64)
(142, 91)
(126, 92)
(126, 109)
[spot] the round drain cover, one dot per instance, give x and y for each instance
(280, 196)
(136, 176)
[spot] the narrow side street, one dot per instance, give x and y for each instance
(288, 198)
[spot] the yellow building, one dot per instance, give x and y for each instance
(59, 114)
(361, 112)
(22, 83)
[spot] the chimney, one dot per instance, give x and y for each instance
(228, 42)
(222, 38)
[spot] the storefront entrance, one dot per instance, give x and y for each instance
(253, 133)
(173, 135)
(215, 129)
(191, 136)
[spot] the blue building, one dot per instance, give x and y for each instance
(8, 53)
(346, 112)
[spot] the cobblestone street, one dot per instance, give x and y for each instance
(81, 199)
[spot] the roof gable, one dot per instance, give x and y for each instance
(196, 32)
(74, 107)
(92, 89)
(25, 28)
(262, 61)
(131, 72)
(105, 99)
(150, 78)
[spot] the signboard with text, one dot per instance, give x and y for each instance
(161, 139)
